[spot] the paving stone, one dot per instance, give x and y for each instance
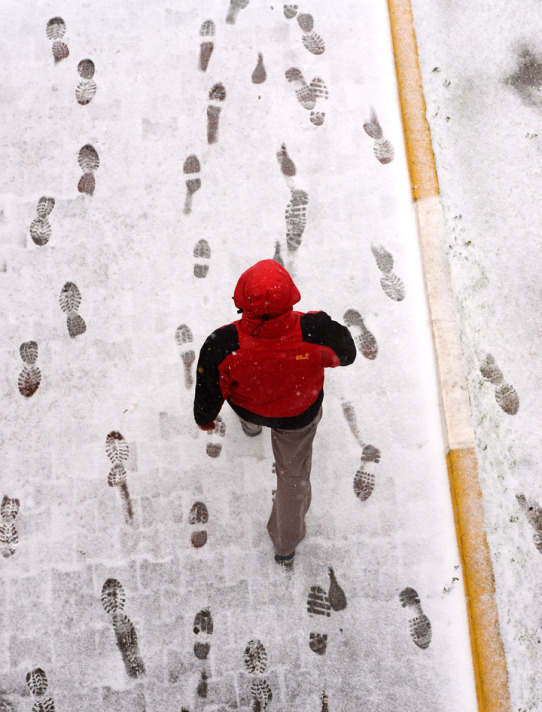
(256, 504)
(171, 476)
(124, 571)
(13, 684)
(70, 584)
(300, 682)
(264, 591)
(169, 698)
(32, 617)
(208, 567)
(90, 610)
(105, 640)
(73, 616)
(176, 668)
(153, 658)
(226, 597)
(259, 538)
(241, 564)
(222, 691)
(27, 590)
(154, 483)
(156, 636)
(88, 701)
(152, 542)
(87, 517)
(101, 543)
(76, 657)
(36, 522)
(124, 700)
(49, 553)
(172, 601)
(92, 491)
(171, 426)
(130, 540)
(131, 462)
(176, 504)
(145, 607)
(192, 666)
(26, 650)
(229, 534)
(225, 657)
(286, 653)
(381, 586)
(321, 526)
(150, 511)
(154, 574)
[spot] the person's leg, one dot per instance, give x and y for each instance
(293, 459)
(250, 428)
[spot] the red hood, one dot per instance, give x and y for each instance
(265, 288)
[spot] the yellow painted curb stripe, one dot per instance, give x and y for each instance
(423, 174)
(490, 670)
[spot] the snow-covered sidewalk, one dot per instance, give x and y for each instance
(160, 591)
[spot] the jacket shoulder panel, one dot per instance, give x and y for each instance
(221, 343)
(319, 328)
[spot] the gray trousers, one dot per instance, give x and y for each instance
(293, 460)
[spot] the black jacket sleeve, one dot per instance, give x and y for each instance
(319, 328)
(208, 399)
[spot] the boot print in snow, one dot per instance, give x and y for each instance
(418, 623)
(505, 394)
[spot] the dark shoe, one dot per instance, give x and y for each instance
(286, 561)
(252, 435)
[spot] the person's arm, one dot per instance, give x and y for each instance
(319, 328)
(208, 399)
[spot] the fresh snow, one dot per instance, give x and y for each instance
(482, 74)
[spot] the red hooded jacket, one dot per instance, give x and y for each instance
(269, 364)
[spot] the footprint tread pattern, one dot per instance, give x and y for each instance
(85, 91)
(116, 447)
(86, 69)
(290, 11)
(9, 509)
(60, 51)
(255, 657)
(36, 681)
(318, 602)
(113, 596)
(70, 297)
(88, 158)
(318, 643)
(40, 231)
(55, 29)
(364, 484)
(314, 43)
(199, 514)
(9, 538)
(203, 622)
(29, 381)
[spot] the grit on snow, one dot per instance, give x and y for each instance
(151, 153)
(482, 74)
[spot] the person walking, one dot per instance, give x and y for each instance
(269, 366)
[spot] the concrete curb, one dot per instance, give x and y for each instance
(490, 670)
